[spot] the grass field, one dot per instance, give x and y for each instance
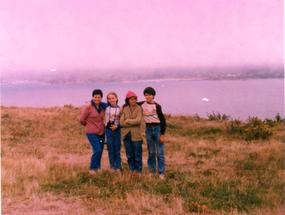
(214, 166)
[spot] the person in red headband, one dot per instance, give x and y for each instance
(133, 129)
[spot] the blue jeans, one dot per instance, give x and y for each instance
(155, 150)
(134, 153)
(97, 143)
(114, 147)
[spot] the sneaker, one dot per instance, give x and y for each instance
(150, 175)
(92, 172)
(161, 176)
(112, 170)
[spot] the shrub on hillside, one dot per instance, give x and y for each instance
(253, 129)
(217, 116)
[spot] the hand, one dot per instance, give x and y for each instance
(161, 139)
(114, 127)
(87, 103)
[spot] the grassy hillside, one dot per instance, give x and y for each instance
(214, 166)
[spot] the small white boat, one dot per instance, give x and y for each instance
(205, 99)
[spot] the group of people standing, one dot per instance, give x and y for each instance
(131, 123)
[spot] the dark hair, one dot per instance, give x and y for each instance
(97, 92)
(149, 90)
(127, 102)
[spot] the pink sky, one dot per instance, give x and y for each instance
(37, 35)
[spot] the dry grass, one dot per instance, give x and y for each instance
(45, 158)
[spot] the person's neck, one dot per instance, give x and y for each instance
(150, 102)
(97, 104)
(132, 106)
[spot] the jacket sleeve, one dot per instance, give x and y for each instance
(104, 105)
(123, 122)
(140, 103)
(161, 118)
(122, 119)
(84, 115)
(137, 120)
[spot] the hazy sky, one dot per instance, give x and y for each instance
(38, 35)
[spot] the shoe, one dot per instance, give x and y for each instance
(92, 172)
(150, 175)
(135, 174)
(112, 170)
(118, 170)
(161, 176)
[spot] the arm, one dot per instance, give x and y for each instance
(104, 105)
(140, 103)
(123, 122)
(137, 120)
(84, 115)
(105, 117)
(161, 118)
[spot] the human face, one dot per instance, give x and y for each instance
(149, 98)
(112, 99)
(133, 101)
(97, 99)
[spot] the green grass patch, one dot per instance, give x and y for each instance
(230, 194)
(243, 192)
(201, 132)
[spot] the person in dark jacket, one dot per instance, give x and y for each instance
(155, 129)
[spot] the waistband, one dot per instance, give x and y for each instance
(152, 124)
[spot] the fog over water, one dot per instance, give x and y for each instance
(238, 98)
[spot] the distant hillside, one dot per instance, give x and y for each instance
(224, 73)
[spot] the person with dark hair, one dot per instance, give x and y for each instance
(92, 117)
(133, 129)
(155, 129)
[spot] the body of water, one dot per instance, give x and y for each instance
(238, 98)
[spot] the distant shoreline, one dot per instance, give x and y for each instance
(53, 82)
